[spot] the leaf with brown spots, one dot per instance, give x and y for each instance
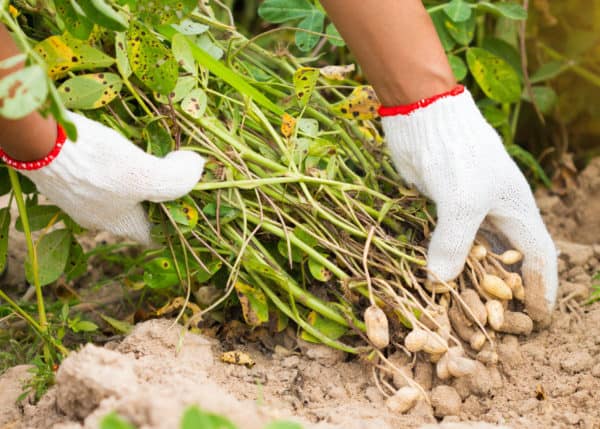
(362, 104)
(90, 91)
(237, 357)
(305, 80)
(66, 53)
(22, 92)
(150, 60)
(194, 104)
(288, 123)
(254, 304)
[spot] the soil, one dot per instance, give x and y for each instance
(550, 378)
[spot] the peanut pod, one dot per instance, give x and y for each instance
(376, 323)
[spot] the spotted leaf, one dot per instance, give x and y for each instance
(362, 103)
(76, 24)
(90, 91)
(495, 77)
(22, 92)
(194, 104)
(288, 123)
(305, 79)
(66, 53)
(254, 304)
(150, 60)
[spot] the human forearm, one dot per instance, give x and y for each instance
(396, 45)
(29, 138)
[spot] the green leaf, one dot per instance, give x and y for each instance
(545, 98)
(67, 53)
(506, 51)
(164, 11)
(150, 60)
(318, 271)
(229, 76)
(76, 24)
(278, 11)
(4, 181)
(4, 225)
(457, 10)
(40, 217)
(549, 71)
(305, 80)
(507, 10)
(439, 18)
(184, 86)
(183, 53)
(121, 54)
(77, 263)
(226, 213)
(84, 326)
(254, 304)
(22, 92)
(103, 14)
(458, 67)
(528, 160)
(201, 275)
(205, 43)
(461, 32)
(308, 126)
(334, 37)
(194, 418)
(160, 273)
(194, 103)
(53, 253)
(327, 327)
(119, 325)
(159, 139)
(190, 28)
(90, 91)
(113, 421)
(313, 23)
(183, 212)
(495, 77)
(494, 115)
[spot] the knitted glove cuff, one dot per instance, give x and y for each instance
(424, 102)
(61, 137)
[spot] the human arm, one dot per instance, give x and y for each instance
(100, 180)
(444, 146)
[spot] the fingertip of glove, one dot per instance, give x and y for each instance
(189, 163)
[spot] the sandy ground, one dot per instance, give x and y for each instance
(549, 379)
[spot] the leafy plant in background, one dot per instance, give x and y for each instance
(483, 51)
(309, 16)
(595, 295)
(194, 418)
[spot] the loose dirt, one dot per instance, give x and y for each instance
(547, 379)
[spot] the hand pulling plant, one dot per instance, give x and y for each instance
(299, 215)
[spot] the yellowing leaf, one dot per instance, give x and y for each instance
(254, 304)
(288, 123)
(362, 104)
(336, 72)
(90, 91)
(66, 53)
(237, 357)
(305, 79)
(13, 11)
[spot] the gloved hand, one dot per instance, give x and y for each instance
(101, 180)
(446, 148)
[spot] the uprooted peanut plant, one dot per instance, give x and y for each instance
(300, 219)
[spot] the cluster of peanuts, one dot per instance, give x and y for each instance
(474, 307)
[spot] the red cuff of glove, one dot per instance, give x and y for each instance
(407, 109)
(61, 137)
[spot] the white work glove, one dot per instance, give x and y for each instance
(101, 180)
(451, 154)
